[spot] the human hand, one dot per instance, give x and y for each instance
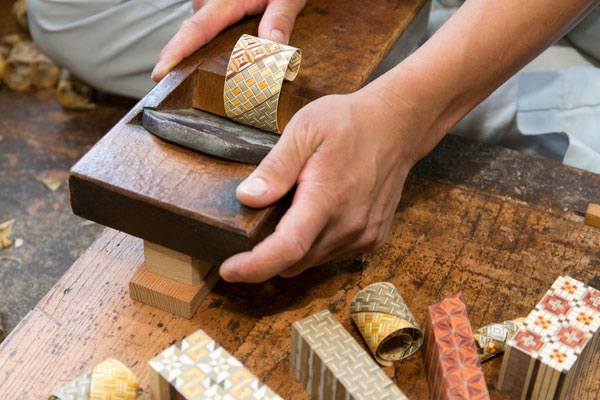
(212, 16)
(349, 155)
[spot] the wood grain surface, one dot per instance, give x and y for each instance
(495, 224)
(134, 182)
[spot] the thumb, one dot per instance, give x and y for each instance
(278, 20)
(278, 171)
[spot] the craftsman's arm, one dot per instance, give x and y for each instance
(350, 154)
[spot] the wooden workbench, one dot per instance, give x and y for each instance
(495, 224)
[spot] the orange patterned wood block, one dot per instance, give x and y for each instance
(450, 356)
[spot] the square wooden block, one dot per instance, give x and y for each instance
(168, 294)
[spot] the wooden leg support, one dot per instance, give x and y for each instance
(172, 281)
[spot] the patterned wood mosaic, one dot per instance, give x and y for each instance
(385, 323)
(109, 380)
(198, 368)
(255, 73)
(450, 356)
(491, 339)
(554, 347)
(330, 364)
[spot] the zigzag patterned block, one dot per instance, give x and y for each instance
(330, 364)
(198, 368)
(450, 356)
(491, 339)
(255, 73)
(109, 380)
(555, 345)
(385, 323)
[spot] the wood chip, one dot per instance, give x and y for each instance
(6, 230)
(19, 10)
(26, 66)
(18, 243)
(73, 94)
(51, 184)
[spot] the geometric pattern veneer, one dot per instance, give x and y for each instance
(450, 356)
(255, 73)
(330, 364)
(109, 380)
(385, 323)
(198, 368)
(555, 345)
(491, 339)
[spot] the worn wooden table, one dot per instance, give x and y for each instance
(495, 224)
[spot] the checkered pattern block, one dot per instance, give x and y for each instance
(255, 73)
(198, 368)
(555, 344)
(385, 323)
(450, 356)
(109, 380)
(330, 364)
(491, 339)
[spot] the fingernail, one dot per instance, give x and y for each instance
(254, 187)
(155, 72)
(278, 36)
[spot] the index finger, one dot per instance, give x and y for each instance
(195, 32)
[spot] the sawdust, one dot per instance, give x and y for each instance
(53, 178)
(6, 230)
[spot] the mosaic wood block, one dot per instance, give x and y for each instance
(109, 380)
(491, 339)
(198, 368)
(385, 323)
(330, 364)
(555, 345)
(450, 355)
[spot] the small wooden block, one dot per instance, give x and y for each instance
(592, 215)
(174, 265)
(450, 356)
(330, 364)
(553, 349)
(168, 294)
(198, 368)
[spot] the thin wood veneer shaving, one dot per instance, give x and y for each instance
(255, 73)
(385, 322)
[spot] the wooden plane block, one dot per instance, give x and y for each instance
(450, 355)
(592, 215)
(330, 364)
(174, 265)
(168, 294)
(198, 368)
(186, 201)
(552, 350)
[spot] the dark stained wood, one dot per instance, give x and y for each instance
(139, 184)
(494, 224)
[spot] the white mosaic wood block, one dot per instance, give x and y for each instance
(330, 364)
(555, 345)
(198, 368)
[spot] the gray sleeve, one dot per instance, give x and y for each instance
(110, 44)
